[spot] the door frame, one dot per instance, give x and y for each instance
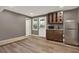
(26, 27)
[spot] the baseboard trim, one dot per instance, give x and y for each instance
(7, 41)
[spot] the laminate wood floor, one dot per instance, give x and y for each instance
(34, 44)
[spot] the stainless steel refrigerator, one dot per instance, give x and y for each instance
(71, 32)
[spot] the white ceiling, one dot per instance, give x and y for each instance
(37, 10)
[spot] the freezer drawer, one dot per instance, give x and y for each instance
(71, 37)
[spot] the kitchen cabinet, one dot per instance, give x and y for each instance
(54, 35)
(54, 30)
(60, 17)
(55, 17)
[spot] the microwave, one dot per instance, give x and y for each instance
(51, 27)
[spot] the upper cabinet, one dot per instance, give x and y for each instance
(55, 17)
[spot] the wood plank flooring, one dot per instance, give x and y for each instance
(34, 44)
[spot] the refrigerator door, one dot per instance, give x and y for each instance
(71, 37)
(70, 24)
(70, 33)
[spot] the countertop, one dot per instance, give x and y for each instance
(54, 29)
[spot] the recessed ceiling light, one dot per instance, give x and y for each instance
(31, 13)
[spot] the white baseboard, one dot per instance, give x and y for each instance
(4, 42)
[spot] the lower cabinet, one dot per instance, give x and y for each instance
(54, 35)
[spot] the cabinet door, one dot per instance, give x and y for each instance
(50, 18)
(55, 17)
(60, 17)
(54, 35)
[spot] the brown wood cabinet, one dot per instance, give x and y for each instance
(60, 17)
(54, 35)
(55, 17)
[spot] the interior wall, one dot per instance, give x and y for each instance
(11, 25)
(78, 14)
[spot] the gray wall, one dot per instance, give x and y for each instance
(11, 25)
(78, 14)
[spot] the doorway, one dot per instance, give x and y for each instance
(28, 27)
